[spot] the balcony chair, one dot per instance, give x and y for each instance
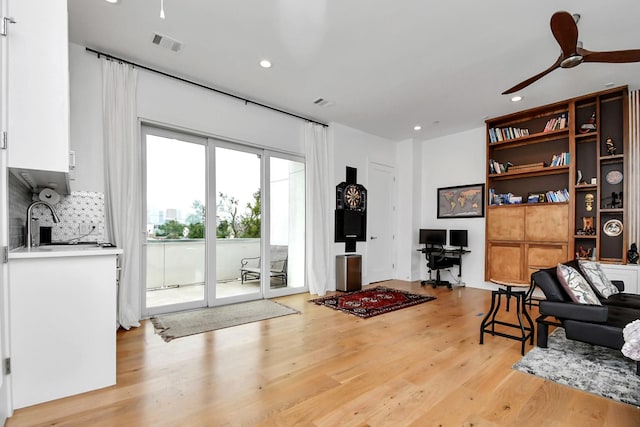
(250, 267)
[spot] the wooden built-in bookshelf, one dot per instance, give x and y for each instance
(523, 237)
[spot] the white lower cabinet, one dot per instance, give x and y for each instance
(628, 273)
(62, 326)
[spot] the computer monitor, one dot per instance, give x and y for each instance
(458, 238)
(433, 237)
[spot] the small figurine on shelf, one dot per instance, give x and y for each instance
(588, 202)
(590, 125)
(611, 149)
(584, 253)
(632, 254)
(587, 226)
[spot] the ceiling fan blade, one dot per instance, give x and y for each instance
(616, 56)
(565, 30)
(538, 76)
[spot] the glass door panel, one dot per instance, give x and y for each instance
(175, 203)
(287, 223)
(238, 224)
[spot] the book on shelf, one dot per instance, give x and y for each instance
(556, 123)
(505, 134)
(503, 199)
(561, 159)
(534, 198)
(563, 121)
(498, 168)
(557, 196)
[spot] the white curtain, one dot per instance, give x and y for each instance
(633, 179)
(318, 208)
(123, 181)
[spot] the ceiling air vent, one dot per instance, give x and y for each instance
(167, 42)
(323, 102)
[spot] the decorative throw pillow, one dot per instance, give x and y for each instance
(576, 286)
(597, 279)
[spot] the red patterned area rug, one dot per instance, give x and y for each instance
(371, 302)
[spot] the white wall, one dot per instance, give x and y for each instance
(449, 161)
(186, 106)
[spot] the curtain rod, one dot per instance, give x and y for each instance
(162, 73)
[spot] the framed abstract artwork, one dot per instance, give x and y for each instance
(463, 201)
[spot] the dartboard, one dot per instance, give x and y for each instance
(352, 196)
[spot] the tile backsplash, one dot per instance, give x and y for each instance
(19, 200)
(79, 207)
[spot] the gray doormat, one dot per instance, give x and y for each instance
(176, 325)
(591, 368)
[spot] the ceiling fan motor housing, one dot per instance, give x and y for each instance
(572, 61)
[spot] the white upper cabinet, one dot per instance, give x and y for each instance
(38, 90)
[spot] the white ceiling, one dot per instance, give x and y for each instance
(387, 65)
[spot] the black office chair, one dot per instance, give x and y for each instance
(437, 260)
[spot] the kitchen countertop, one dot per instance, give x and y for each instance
(57, 251)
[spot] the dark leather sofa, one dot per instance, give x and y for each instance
(620, 299)
(595, 324)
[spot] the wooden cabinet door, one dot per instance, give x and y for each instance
(505, 261)
(505, 223)
(541, 256)
(547, 223)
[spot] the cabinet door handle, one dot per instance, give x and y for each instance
(4, 31)
(374, 237)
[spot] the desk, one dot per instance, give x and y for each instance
(453, 255)
(489, 322)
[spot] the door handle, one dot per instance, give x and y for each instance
(374, 237)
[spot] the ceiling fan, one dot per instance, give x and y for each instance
(565, 30)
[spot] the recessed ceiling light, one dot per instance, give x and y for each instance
(111, 1)
(516, 98)
(265, 63)
(417, 127)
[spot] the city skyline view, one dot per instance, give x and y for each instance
(171, 195)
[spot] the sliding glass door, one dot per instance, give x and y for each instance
(174, 250)
(224, 222)
(286, 225)
(238, 222)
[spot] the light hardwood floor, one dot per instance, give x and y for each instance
(419, 366)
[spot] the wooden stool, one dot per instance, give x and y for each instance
(489, 321)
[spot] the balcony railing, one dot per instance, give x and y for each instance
(182, 262)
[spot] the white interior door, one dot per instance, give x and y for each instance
(380, 223)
